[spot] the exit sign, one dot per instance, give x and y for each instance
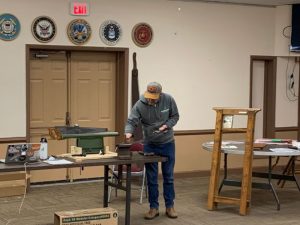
(80, 8)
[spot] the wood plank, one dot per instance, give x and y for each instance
(227, 200)
(12, 176)
(88, 156)
(215, 163)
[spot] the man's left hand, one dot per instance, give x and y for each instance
(163, 127)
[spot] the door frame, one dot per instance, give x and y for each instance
(269, 99)
(122, 63)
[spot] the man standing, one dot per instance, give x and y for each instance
(158, 113)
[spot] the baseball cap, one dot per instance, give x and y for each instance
(153, 90)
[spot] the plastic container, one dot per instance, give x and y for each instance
(44, 149)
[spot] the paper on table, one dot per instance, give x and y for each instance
(227, 142)
(58, 162)
(229, 147)
(282, 150)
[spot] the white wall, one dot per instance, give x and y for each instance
(286, 102)
(283, 30)
(200, 53)
(285, 63)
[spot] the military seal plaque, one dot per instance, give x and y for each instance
(79, 31)
(9, 27)
(43, 29)
(110, 32)
(142, 34)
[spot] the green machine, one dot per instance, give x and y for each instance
(88, 138)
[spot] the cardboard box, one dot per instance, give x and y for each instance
(97, 216)
(12, 183)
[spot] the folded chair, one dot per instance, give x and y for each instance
(137, 171)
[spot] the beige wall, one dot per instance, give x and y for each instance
(198, 49)
(283, 19)
(191, 157)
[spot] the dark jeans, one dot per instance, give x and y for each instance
(167, 168)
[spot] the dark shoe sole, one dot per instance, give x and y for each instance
(172, 217)
(151, 218)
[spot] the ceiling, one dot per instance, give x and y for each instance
(270, 3)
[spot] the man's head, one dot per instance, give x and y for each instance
(153, 91)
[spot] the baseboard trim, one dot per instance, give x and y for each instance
(205, 173)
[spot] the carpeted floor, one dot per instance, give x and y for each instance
(191, 198)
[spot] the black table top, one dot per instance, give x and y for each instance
(136, 158)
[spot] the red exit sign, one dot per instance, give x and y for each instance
(79, 8)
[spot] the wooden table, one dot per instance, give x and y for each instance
(106, 162)
(237, 148)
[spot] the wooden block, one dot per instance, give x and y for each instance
(88, 156)
(259, 146)
(13, 183)
(12, 176)
(12, 188)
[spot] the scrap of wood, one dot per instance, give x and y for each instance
(88, 156)
(259, 145)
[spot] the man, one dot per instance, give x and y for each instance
(158, 113)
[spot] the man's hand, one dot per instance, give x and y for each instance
(163, 127)
(128, 137)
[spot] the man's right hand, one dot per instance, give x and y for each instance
(128, 137)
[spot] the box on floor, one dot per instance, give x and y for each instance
(103, 216)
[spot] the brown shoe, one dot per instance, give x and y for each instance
(170, 212)
(151, 214)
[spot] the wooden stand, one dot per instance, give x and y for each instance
(213, 196)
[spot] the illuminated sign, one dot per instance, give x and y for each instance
(80, 8)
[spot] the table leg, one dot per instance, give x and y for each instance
(293, 171)
(128, 194)
(105, 195)
(286, 171)
(270, 183)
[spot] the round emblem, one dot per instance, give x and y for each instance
(79, 31)
(9, 27)
(142, 34)
(110, 32)
(43, 29)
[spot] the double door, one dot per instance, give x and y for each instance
(68, 88)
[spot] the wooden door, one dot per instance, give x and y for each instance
(48, 105)
(258, 96)
(81, 83)
(92, 97)
(267, 102)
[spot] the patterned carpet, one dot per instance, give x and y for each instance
(191, 198)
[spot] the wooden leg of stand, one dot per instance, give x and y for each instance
(215, 164)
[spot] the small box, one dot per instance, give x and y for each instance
(13, 183)
(103, 216)
(123, 151)
(76, 150)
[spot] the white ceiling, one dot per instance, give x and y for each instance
(250, 2)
